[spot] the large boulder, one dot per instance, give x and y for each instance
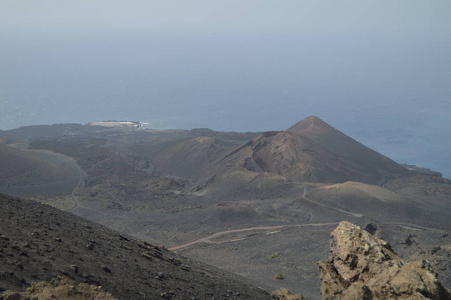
(361, 266)
(284, 294)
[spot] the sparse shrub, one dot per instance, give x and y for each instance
(274, 255)
(279, 276)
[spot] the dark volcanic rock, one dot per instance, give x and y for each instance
(114, 262)
(362, 266)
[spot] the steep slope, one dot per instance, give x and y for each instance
(311, 151)
(364, 164)
(38, 243)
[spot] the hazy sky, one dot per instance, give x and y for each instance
(386, 16)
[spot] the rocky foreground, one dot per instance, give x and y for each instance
(40, 243)
(59, 288)
(361, 266)
(55, 255)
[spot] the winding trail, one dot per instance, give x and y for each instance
(415, 227)
(208, 239)
(221, 233)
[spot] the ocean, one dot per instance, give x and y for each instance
(391, 93)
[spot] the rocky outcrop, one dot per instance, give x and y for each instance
(59, 288)
(362, 266)
(284, 294)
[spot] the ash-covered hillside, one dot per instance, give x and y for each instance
(39, 243)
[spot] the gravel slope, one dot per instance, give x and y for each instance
(38, 242)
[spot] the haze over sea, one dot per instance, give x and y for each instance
(390, 89)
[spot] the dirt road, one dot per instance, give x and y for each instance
(221, 233)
